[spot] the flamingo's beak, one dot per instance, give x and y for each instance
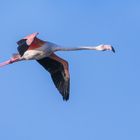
(113, 49)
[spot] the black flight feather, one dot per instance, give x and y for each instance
(56, 69)
(23, 47)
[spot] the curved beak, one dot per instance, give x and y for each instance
(113, 49)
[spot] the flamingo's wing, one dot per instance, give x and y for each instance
(30, 38)
(59, 75)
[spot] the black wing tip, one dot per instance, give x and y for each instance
(66, 95)
(66, 98)
(21, 42)
(67, 91)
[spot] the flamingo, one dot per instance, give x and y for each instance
(33, 48)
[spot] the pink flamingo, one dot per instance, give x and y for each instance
(33, 48)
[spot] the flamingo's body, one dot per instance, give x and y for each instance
(32, 48)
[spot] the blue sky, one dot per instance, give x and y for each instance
(105, 96)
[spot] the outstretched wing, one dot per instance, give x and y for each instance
(59, 73)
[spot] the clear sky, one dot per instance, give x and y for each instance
(105, 94)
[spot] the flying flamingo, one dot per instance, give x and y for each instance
(33, 48)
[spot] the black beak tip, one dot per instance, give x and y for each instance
(113, 49)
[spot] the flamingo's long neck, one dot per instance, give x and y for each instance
(99, 48)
